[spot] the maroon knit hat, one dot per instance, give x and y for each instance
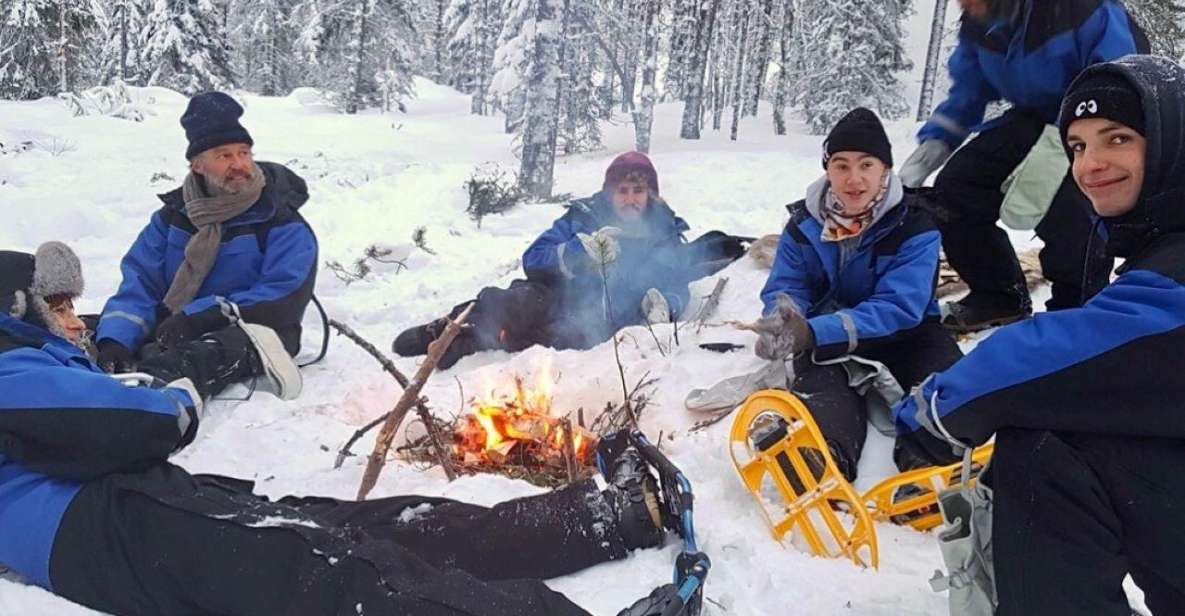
(628, 163)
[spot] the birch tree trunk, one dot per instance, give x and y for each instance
(930, 75)
(693, 100)
(644, 117)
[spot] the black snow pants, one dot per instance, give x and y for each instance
(213, 362)
(968, 191)
(163, 542)
(1075, 512)
(840, 412)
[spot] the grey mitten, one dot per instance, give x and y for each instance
(783, 332)
(655, 307)
(602, 246)
(924, 160)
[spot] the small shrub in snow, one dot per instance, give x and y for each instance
(55, 146)
(492, 191)
(419, 237)
(116, 101)
(375, 255)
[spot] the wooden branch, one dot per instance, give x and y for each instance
(421, 404)
(378, 457)
(569, 449)
(711, 304)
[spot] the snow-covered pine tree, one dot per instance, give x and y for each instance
(693, 97)
(366, 54)
(263, 36)
(784, 20)
(851, 57)
(681, 47)
(39, 44)
(184, 47)
(761, 30)
(511, 60)
(122, 22)
(580, 126)
(1163, 21)
(471, 27)
(741, 23)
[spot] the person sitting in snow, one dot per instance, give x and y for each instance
(614, 259)
(91, 509)
(1085, 404)
(227, 246)
(854, 274)
(1025, 52)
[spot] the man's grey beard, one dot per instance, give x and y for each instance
(216, 186)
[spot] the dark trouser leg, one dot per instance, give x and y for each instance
(914, 355)
(1066, 230)
(837, 409)
(968, 188)
(212, 362)
(126, 553)
(542, 536)
(507, 319)
(1074, 513)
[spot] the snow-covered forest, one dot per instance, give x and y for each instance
(390, 109)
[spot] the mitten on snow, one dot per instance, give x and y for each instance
(655, 307)
(655, 604)
(783, 332)
(924, 160)
(601, 247)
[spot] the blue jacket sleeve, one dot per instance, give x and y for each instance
(556, 254)
(1107, 35)
(130, 315)
(284, 287)
(963, 109)
(74, 423)
(897, 303)
(1102, 368)
(788, 275)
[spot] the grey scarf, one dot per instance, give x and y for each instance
(207, 212)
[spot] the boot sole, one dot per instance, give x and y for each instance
(972, 328)
(278, 367)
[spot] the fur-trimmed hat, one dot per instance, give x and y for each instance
(28, 281)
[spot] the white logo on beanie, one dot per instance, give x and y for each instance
(1091, 105)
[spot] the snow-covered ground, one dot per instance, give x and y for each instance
(375, 178)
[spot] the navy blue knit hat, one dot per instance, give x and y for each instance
(859, 131)
(211, 120)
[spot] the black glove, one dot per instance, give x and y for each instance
(656, 604)
(114, 357)
(177, 329)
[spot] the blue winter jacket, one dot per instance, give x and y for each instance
(1028, 55)
(1110, 366)
(652, 256)
(62, 422)
(267, 265)
(885, 288)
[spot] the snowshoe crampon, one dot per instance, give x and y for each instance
(911, 498)
(784, 462)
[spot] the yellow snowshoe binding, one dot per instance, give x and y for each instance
(784, 462)
(911, 498)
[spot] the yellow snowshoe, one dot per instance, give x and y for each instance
(784, 462)
(911, 498)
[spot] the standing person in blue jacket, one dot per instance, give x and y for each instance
(854, 274)
(624, 237)
(1024, 52)
(91, 509)
(227, 246)
(1086, 404)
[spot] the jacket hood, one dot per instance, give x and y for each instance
(1160, 208)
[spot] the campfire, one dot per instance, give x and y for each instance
(517, 434)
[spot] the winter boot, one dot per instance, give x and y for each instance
(415, 340)
(633, 494)
(281, 374)
(980, 311)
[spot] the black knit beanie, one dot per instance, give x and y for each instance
(859, 131)
(211, 120)
(1103, 95)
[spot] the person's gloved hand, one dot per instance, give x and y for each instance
(924, 160)
(654, 604)
(655, 307)
(602, 246)
(176, 329)
(783, 332)
(114, 357)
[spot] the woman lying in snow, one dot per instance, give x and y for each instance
(1085, 403)
(854, 274)
(91, 509)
